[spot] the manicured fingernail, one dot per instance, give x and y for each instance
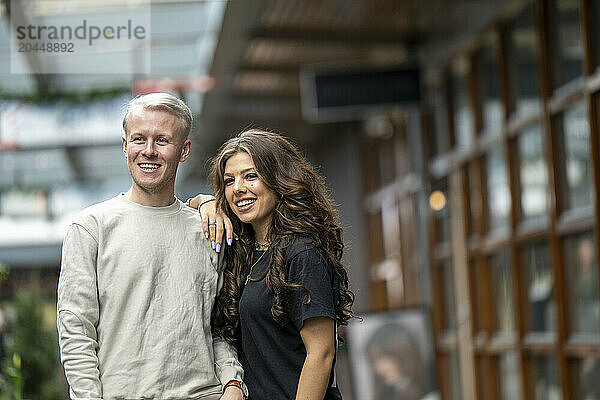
(218, 247)
(213, 244)
(206, 235)
(229, 241)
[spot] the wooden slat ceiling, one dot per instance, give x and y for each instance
(265, 44)
(292, 34)
(333, 15)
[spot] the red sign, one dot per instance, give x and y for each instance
(9, 146)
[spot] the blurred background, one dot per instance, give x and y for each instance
(459, 140)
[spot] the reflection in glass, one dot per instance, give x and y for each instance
(539, 283)
(569, 40)
(510, 385)
(478, 292)
(523, 62)
(442, 216)
(545, 379)
(498, 191)
(532, 173)
(482, 379)
(449, 297)
(463, 116)
(387, 161)
(582, 279)
(375, 232)
(474, 192)
(593, 8)
(586, 377)
(487, 64)
(454, 377)
(577, 147)
(502, 282)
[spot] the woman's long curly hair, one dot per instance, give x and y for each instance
(303, 209)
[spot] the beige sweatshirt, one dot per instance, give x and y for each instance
(135, 293)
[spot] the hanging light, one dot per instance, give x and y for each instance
(437, 200)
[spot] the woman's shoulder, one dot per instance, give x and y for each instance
(301, 244)
(304, 252)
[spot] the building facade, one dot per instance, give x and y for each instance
(482, 203)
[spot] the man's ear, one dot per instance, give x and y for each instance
(124, 138)
(185, 150)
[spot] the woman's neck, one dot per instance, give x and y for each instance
(260, 230)
(260, 235)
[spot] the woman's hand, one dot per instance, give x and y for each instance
(215, 223)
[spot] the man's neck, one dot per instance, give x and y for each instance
(150, 199)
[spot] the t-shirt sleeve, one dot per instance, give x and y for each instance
(313, 270)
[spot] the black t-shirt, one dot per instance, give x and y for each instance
(273, 355)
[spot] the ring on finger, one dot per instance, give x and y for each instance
(212, 223)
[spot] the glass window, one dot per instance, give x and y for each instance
(593, 14)
(581, 266)
(454, 377)
(372, 174)
(438, 201)
(577, 169)
(544, 384)
(523, 56)
(438, 128)
(410, 249)
(510, 381)
(568, 39)
(474, 193)
(401, 146)
(585, 375)
(489, 91)
(390, 225)
(533, 176)
(375, 227)
(502, 282)
(482, 379)
(480, 294)
(449, 297)
(468, 222)
(539, 307)
(498, 196)
(463, 115)
(387, 161)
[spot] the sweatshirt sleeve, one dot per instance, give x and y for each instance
(78, 313)
(227, 366)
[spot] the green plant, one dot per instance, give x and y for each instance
(31, 374)
(13, 371)
(3, 272)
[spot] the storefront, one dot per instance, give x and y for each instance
(500, 169)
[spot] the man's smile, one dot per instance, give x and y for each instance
(149, 167)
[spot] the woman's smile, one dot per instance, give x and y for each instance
(248, 196)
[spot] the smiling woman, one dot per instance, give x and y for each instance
(285, 290)
(247, 195)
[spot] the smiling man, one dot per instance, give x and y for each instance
(138, 282)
